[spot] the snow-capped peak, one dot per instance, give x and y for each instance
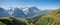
(25, 10)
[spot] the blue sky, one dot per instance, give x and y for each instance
(41, 4)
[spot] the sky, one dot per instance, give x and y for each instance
(41, 4)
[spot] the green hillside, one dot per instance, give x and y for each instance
(12, 21)
(51, 18)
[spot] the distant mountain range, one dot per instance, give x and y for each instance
(22, 12)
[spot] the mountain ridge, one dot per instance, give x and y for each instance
(28, 12)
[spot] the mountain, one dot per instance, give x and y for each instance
(26, 12)
(51, 18)
(3, 13)
(32, 11)
(10, 11)
(18, 13)
(44, 12)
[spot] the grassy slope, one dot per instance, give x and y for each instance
(52, 18)
(13, 21)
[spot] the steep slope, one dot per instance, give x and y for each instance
(52, 18)
(25, 10)
(18, 13)
(3, 13)
(10, 11)
(32, 11)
